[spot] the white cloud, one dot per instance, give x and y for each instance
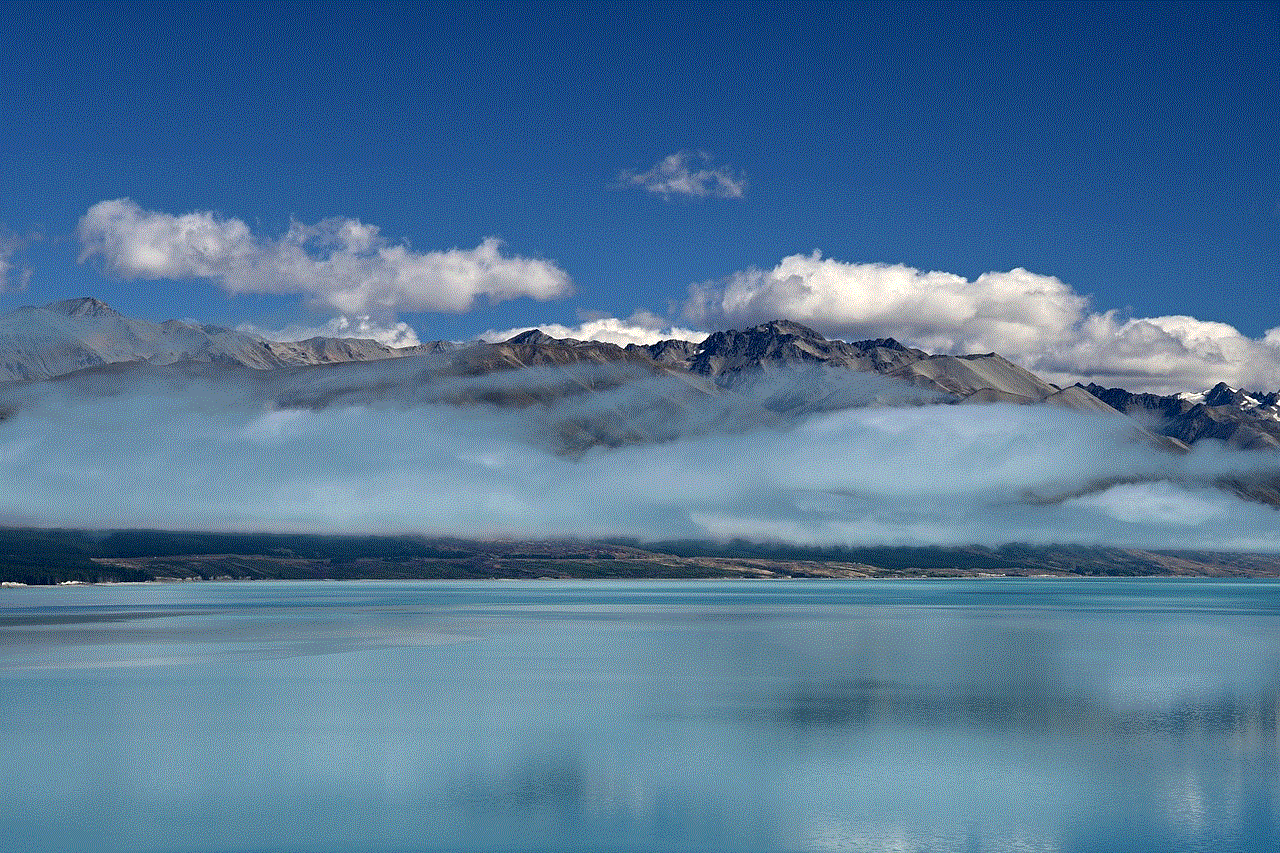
(1035, 320)
(1159, 503)
(641, 328)
(688, 173)
(340, 263)
(1173, 353)
(392, 334)
(13, 278)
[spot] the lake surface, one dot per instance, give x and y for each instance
(958, 715)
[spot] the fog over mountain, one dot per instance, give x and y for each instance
(769, 433)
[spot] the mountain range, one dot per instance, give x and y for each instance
(783, 367)
(573, 397)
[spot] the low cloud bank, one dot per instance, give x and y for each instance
(1038, 321)
(222, 452)
(340, 263)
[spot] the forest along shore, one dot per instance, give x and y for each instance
(40, 556)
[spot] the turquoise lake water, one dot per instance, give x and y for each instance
(957, 715)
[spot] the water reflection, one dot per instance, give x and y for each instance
(939, 716)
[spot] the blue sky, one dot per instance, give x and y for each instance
(1129, 152)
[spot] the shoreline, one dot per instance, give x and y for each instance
(38, 557)
(941, 578)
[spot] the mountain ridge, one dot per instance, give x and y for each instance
(790, 367)
(41, 342)
(1233, 416)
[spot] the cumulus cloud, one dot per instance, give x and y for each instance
(14, 277)
(642, 328)
(228, 453)
(688, 173)
(392, 334)
(343, 264)
(1036, 320)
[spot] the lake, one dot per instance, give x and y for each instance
(949, 715)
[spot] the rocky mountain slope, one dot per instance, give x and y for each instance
(782, 349)
(1240, 418)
